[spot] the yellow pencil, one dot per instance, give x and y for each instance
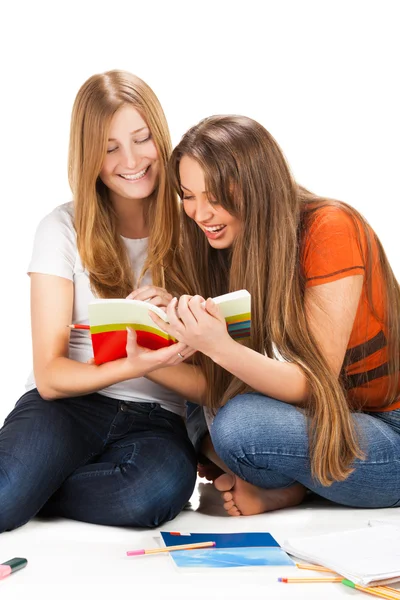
(171, 548)
(313, 568)
(386, 588)
(382, 588)
(369, 590)
(310, 579)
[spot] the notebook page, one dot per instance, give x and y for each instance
(362, 555)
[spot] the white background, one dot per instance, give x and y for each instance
(322, 76)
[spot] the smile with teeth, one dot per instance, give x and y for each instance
(214, 228)
(134, 176)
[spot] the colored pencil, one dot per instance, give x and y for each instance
(313, 568)
(171, 548)
(310, 579)
(382, 588)
(79, 326)
(370, 590)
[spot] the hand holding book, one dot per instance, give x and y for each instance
(151, 293)
(198, 323)
(109, 319)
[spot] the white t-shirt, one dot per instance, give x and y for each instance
(55, 253)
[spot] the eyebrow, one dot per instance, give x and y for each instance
(131, 133)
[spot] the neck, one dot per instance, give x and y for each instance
(131, 216)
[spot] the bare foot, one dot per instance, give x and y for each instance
(209, 471)
(242, 498)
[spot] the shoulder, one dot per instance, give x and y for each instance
(332, 218)
(57, 227)
(61, 218)
(54, 247)
(334, 243)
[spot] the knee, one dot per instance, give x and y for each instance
(13, 510)
(165, 493)
(251, 420)
(227, 427)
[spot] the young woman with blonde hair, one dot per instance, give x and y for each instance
(104, 444)
(312, 401)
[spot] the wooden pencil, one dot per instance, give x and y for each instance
(383, 588)
(310, 579)
(370, 590)
(313, 568)
(171, 548)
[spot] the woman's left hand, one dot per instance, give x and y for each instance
(199, 325)
(152, 294)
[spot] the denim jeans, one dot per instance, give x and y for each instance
(265, 442)
(94, 459)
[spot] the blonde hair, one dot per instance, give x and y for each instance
(245, 169)
(100, 247)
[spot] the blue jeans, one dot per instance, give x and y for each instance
(94, 459)
(265, 442)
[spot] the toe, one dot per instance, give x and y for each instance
(229, 505)
(225, 482)
(234, 511)
(227, 496)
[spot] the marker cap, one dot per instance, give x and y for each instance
(16, 563)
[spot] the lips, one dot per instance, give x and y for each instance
(215, 232)
(134, 176)
(214, 228)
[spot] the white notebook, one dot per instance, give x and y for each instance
(366, 556)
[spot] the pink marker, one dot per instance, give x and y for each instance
(15, 564)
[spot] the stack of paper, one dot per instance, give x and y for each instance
(366, 556)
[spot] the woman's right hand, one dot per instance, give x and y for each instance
(141, 361)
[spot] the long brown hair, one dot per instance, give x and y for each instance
(100, 247)
(246, 171)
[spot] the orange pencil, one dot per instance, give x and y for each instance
(171, 548)
(78, 326)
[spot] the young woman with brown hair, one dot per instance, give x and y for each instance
(104, 444)
(312, 401)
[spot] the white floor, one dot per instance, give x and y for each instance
(68, 558)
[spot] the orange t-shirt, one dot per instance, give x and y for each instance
(332, 251)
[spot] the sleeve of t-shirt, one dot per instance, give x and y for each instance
(54, 247)
(332, 248)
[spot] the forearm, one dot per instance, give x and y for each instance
(277, 379)
(64, 377)
(185, 379)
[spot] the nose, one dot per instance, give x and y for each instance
(129, 158)
(203, 210)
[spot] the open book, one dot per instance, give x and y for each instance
(109, 318)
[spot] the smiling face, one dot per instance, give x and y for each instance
(219, 226)
(130, 169)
